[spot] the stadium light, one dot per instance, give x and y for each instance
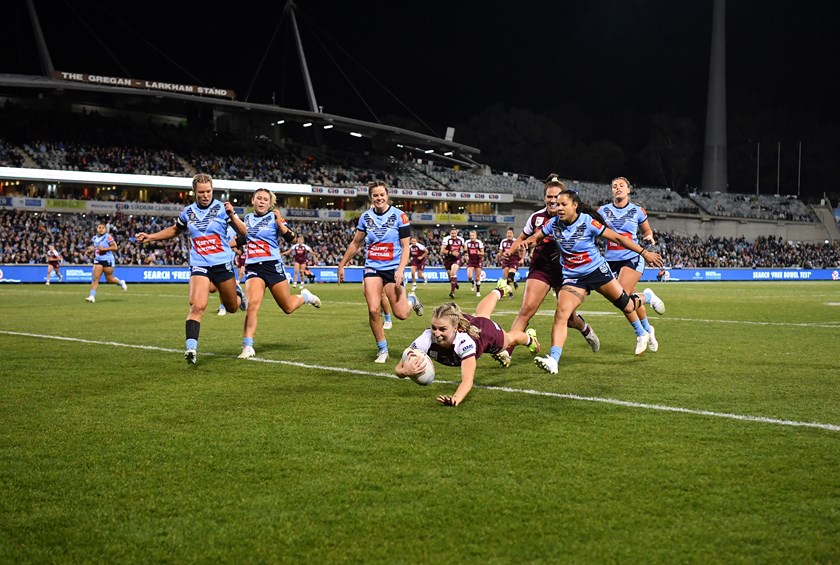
(448, 153)
(307, 124)
(355, 134)
(427, 151)
(329, 126)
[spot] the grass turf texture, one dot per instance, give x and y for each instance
(123, 454)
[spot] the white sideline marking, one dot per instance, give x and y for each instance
(614, 401)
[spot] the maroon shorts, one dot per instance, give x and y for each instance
(474, 263)
(547, 271)
(448, 261)
(54, 264)
(419, 265)
(240, 260)
(492, 338)
(511, 262)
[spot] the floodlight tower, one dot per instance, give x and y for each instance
(289, 10)
(714, 150)
(43, 53)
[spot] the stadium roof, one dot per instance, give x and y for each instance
(166, 102)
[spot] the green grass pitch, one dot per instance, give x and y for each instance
(722, 447)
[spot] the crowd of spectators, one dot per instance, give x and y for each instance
(105, 159)
(88, 141)
(26, 236)
(764, 252)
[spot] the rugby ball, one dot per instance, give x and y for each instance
(428, 375)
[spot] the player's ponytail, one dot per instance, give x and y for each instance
(582, 207)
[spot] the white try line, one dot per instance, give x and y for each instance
(613, 401)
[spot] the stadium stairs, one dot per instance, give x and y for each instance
(825, 215)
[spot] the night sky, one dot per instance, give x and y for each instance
(441, 63)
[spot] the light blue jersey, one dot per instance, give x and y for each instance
(383, 232)
(624, 221)
(263, 238)
(105, 240)
(576, 242)
(208, 234)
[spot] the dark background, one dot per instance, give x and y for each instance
(590, 89)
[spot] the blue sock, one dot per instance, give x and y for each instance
(412, 300)
(382, 345)
(387, 317)
(248, 341)
(645, 324)
(555, 352)
(637, 327)
(192, 344)
(93, 292)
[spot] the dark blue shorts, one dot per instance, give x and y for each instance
(591, 281)
(272, 272)
(105, 263)
(386, 276)
(636, 263)
(216, 273)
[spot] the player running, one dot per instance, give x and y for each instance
(104, 245)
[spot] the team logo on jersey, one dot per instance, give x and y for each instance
(202, 221)
(380, 231)
(539, 220)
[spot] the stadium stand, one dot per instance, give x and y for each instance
(26, 236)
(88, 141)
(762, 206)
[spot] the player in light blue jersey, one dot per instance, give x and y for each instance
(384, 230)
(628, 219)
(574, 230)
(264, 267)
(103, 245)
(211, 258)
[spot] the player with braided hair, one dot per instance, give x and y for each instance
(457, 339)
(574, 230)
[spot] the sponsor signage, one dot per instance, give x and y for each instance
(711, 275)
(180, 274)
(300, 213)
(145, 84)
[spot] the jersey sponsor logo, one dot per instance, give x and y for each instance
(576, 260)
(207, 244)
(611, 246)
(404, 218)
(539, 220)
(597, 225)
(258, 248)
(198, 269)
(381, 251)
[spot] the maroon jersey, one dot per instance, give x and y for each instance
(491, 340)
(300, 252)
(513, 260)
(474, 250)
(545, 257)
(453, 245)
(415, 251)
(53, 257)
